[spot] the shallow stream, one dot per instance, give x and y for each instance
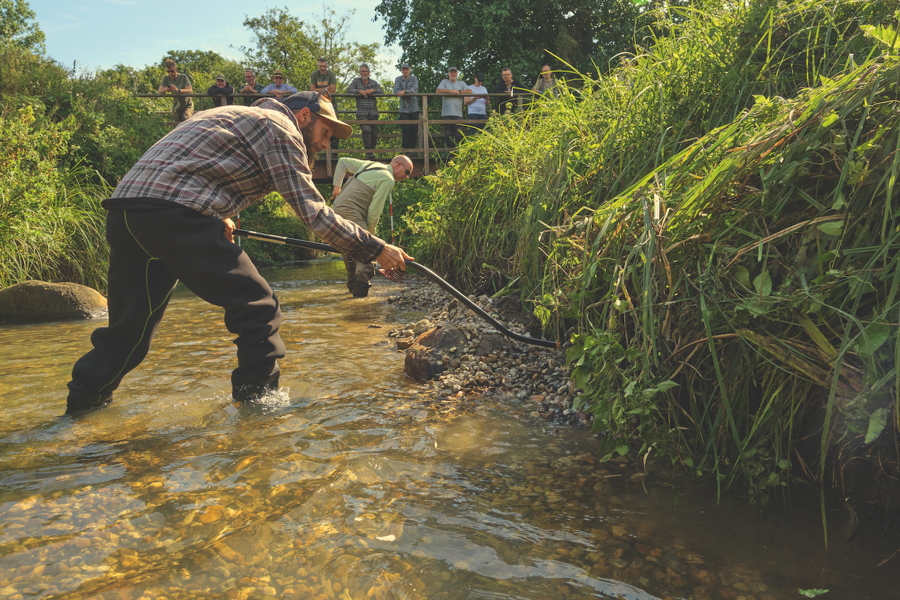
(351, 483)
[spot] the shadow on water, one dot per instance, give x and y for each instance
(350, 482)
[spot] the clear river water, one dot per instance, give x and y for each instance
(351, 483)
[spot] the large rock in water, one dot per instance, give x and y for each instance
(38, 302)
(425, 359)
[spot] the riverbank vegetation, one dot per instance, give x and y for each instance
(714, 229)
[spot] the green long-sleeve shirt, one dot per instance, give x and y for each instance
(379, 177)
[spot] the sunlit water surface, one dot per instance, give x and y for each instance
(351, 483)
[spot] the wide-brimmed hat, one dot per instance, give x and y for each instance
(321, 105)
(277, 72)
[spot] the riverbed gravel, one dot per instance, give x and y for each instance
(534, 378)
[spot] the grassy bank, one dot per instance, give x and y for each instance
(713, 230)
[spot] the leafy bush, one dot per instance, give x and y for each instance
(274, 216)
(51, 226)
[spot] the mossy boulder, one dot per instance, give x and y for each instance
(39, 302)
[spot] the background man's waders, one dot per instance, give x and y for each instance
(353, 204)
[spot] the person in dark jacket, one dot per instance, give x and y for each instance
(221, 92)
(506, 86)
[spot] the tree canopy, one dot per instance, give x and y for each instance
(17, 26)
(519, 34)
(282, 41)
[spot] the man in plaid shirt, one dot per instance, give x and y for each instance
(169, 220)
(366, 106)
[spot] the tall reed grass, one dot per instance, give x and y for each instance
(713, 229)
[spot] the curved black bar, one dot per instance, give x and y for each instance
(428, 273)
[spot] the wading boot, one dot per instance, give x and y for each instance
(80, 405)
(361, 290)
(252, 391)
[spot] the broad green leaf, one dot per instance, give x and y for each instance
(839, 202)
(622, 450)
(829, 120)
(742, 276)
(872, 338)
(754, 306)
(831, 228)
(763, 284)
(877, 421)
(886, 36)
(812, 593)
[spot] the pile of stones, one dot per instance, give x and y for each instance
(458, 355)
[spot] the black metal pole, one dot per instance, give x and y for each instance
(431, 275)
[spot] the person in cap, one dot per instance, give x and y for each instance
(169, 220)
(361, 201)
(404, 85)
(452, 106)
(221, 92)
(279, 87)
(180, 86)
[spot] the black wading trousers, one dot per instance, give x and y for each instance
(154, 244)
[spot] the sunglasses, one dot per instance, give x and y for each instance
(407, 172)
(324, 95)
(170, 70)
(277, 77)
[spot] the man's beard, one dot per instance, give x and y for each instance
(307, 133)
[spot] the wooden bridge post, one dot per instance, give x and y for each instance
(424, 127)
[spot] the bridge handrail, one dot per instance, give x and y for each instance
(423, 121)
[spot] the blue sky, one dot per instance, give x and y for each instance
(101, 33)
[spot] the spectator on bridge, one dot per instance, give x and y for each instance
(279, 88)
(250, 87)
(366, 107)
(404, 85)
(451, 108)
(177, 84)
(323, 78)
(221, 92)
(361, 201)
(477, 106)
(506, 86)
(546, 83)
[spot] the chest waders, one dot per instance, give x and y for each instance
(353, 204)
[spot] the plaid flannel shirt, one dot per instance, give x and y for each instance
(364, 105)
(407, 104)
(221, 161)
